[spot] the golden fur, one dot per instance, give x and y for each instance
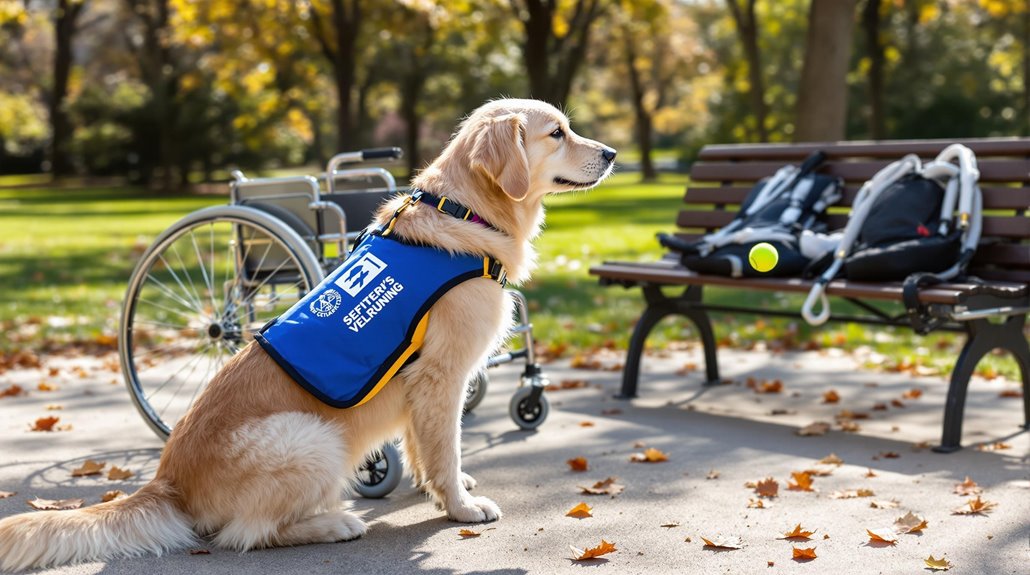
(258, 461)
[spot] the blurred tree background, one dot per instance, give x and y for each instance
(170, 92)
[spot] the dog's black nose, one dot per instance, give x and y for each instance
(608, 154)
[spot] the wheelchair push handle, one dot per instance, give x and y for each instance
(382, 154)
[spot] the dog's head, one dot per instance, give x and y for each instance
(527, 149)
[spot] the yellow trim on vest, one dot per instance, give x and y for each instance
(416, 344)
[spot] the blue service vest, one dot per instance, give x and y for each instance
(354, 331)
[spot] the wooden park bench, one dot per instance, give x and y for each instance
(722, 178)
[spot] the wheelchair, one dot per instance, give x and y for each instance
(209, 282)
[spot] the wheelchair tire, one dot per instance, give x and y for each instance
(381, 473)
(476, 391)
(177, 317)
(526, 418)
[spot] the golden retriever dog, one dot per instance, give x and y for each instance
(259, 462)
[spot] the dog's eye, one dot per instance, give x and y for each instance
(558, 134)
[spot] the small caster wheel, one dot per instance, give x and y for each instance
(380, 474)
(476, 392)
(520, 412)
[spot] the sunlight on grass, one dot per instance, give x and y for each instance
(66, 256)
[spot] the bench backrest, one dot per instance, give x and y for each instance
(724, 174)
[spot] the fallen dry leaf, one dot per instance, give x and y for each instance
(879, 406)
(605, 487)
(650, 455)
(975, 507)
(897, 403)
(117, 473)
(594, 552)
(909, 523)
(467, 533)
(832, 459)
(55, 504)
(12, 390)
(848, 414)
(968, 487)
(798, 532)
(821, 470)
(1010, 393)
(756, 503)
(850, 426)
(112, 495)
(578, 464)
(586, 423)
(800, 554)
(852, 493)
(44, 386)
(889, 454)
(54, 407)
(612, 411)
(90, 467)
(774, 386)
(870, 472)
(801, 481)
(670, 524)
(817, 428)
(831, 397)
(581, 511)
(941, 564)
(996, 446)
(45, 423)
(713, 474)
(887, 504)
(721, 542)
(767, 487)
(913, 393)
(6, 494)
(882, 535)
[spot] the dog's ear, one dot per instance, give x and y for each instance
(499, 151)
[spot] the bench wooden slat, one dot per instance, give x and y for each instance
(667, 272)
(995, 197)
(1001, 226)
(1010, 170)
(1012, 147)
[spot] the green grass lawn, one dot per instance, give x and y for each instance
(66, 256)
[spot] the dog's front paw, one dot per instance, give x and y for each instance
(468, 481)
(475, 510)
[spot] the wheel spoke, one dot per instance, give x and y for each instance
(172, 294)
(203, 272)
(192, 294)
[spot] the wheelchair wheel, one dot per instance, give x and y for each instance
(476, 391)
(381, 473)
(198, 295)
(525, 416)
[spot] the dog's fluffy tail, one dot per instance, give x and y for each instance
(147, 521)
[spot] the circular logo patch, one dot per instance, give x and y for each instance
(326, 303)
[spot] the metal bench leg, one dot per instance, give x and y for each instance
(983, 336)
(658, 308)
(704, 329)
(631, 372)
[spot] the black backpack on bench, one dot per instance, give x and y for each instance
(911, 222)
(776, 210)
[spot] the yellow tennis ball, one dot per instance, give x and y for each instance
(763, 257)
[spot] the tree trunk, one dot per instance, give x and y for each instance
(874, 48)
(642, 116)
(747, 29)
(823, 100)
(60, 125)
(346, 24)
(552, 62)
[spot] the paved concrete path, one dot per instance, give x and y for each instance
(740, 434)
